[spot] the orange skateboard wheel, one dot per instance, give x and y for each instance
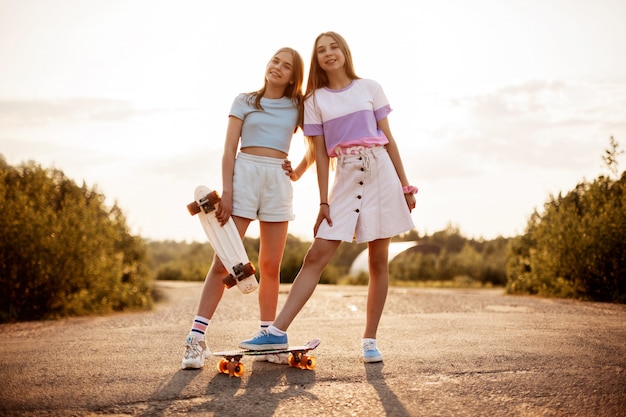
(193, 208)
(249, 269)
(213, 197)
(222, 366)
(308, 362)
(238, 370)
(229, 281)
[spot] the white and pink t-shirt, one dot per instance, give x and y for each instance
(347, 117)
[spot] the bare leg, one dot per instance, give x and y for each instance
(272, 246)
(378, 285)
(316, 259)
(213, 288)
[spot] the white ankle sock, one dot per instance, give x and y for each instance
(276, 331)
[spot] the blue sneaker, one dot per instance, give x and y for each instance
(371, 352)
(264, 340)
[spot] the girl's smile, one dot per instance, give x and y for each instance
(280, 69)
(329, 55)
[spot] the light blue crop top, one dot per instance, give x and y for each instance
(272, 127)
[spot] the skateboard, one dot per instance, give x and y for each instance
(225, 241)
(231, 359)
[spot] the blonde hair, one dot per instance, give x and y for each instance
(292, 91)
(317, 76)
(318, 79)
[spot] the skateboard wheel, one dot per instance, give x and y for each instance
(193, 208)
(292, 361)
(238, 370)
(308, 362)
(229, 281)
(222, 366)
(305, 362)
(249, 269)
(213, 197)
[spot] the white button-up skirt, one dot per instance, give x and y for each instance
(366, 201)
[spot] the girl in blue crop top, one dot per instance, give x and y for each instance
(256, 184)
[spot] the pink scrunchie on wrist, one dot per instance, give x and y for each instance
(409, 189)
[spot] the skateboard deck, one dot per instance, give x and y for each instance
(225, 240)
(231, 359)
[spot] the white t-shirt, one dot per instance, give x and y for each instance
(347, 117)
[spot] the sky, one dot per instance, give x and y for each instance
(497, 104)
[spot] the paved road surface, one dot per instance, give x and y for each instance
(447, 353)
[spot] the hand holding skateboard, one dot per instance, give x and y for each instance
(225, 240)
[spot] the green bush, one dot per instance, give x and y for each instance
(180, 261)
(577, 247)
(458, 262)
(62, 252)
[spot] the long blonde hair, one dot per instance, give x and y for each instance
(317, 76)
(318, 79)
(292, 91)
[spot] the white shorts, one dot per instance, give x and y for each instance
(366, 202)
(261, 190)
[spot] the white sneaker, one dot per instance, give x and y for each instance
(279, 358)
(371, 352)
(195, 353)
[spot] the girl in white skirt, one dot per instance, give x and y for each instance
(371, 200)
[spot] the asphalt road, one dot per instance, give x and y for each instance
(447, 353)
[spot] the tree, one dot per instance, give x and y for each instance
(63, 252)
(576, 247)
(611, 154)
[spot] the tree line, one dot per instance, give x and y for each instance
(63, 252)
(459, 262)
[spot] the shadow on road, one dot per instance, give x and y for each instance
(169, 392)
(274, 384)
(260, 393)
(392, 405)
